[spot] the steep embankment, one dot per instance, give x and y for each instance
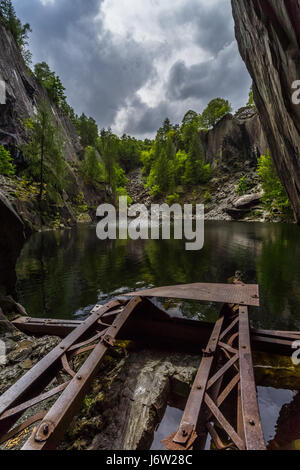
(268, 34)
(23, 95)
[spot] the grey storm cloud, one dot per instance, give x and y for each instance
(210, 24)
(98, 73)
(103, 72)
(220, 76)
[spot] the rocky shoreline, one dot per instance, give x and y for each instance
(223, 203)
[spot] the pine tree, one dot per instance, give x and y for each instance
(91, 167)
(44, 153)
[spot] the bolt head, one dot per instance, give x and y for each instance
(45, 429)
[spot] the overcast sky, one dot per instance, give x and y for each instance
(132, 63)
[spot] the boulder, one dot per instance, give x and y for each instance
(248, 201)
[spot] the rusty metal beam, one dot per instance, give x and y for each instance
(241, 294)
(240, 419)
(28, 381)
(60, 415)
(187, 431)
(35, 381)
(252, 423)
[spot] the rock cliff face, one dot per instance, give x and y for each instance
(23, 93)
(268, 34)
(13, 235)
(235, 140)
(22, 96)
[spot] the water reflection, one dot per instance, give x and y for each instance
(168, 426)
(61, 274)
(271, 403)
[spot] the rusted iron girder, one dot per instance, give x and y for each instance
(209, 407)
(27, 392)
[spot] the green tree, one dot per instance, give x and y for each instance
(91, 167)
(87, 129)
(129, 153)
(195, 169)
(275, 196)
(107, 145)
(191, 117)
(44, 154)
(6, 166)
(215, 110)
(251, 102)
(52, 83)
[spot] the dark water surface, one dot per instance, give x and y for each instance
(62, 274)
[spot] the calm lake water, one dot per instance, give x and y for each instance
(63, 274)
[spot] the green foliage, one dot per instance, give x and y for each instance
(129, 153)
(251, 102)
(196, 171)
(122, 192)
(44, 154)
(191, 117)
(107, 145)
(120, 176)
(216, 109)
(244, 186)
(91, 168)
(275, 197)
(19, 31)
(207, 197)
(172, 199)
(176, 157)
(6, 166)
(87, 129)
(52, 83)
(179, 166)
(161, 176)
(147, 158)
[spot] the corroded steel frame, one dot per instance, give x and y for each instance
(224, 382)
(93, 334)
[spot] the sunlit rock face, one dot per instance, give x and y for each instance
(268, 34)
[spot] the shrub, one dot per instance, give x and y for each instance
(172, 199)
(91, 168)
(6, 166)
(122, 192)
(244, 186)
(275, 196)
(207, 197)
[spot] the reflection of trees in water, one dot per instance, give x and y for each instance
(288, 427)
(278, 272)
(60, 272)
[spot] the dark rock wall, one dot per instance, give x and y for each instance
(235, 140)
(13, 233)
(268, 34)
